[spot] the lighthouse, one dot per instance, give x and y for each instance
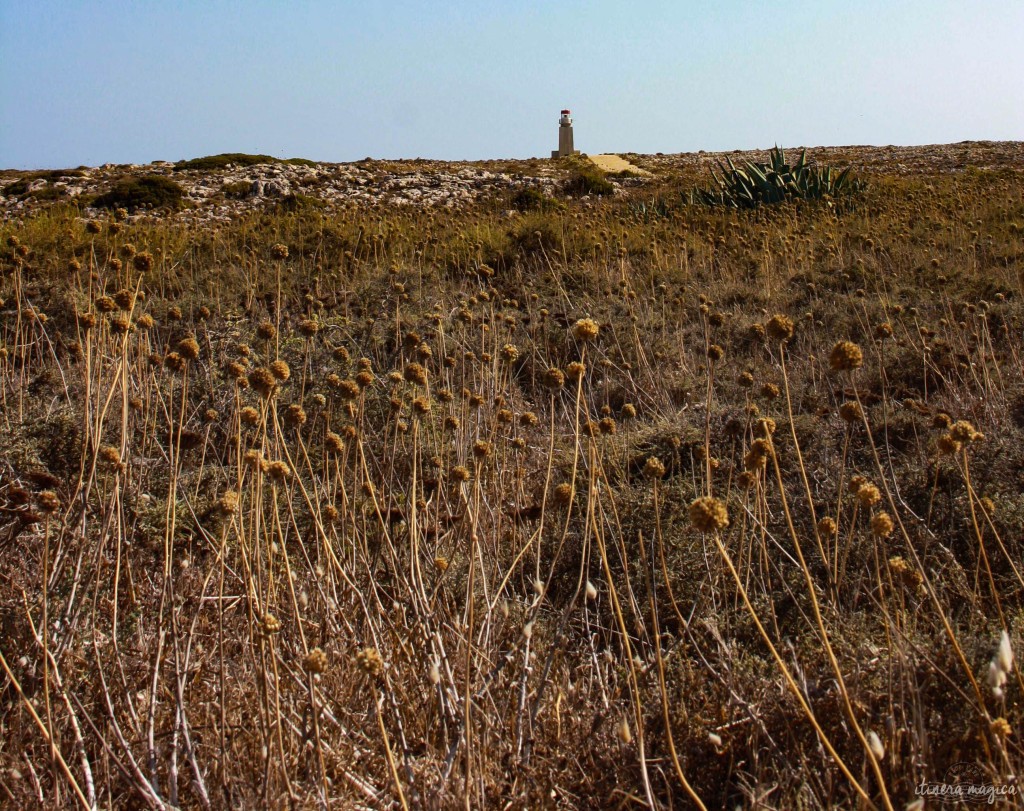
(564, 136)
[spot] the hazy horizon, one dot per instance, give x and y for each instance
(88, 83)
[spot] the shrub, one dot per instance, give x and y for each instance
(530, 198)
(774, 182)
(137, 193)
(222, 161)
(587, 180)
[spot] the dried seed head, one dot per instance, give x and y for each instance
(554, 379)
(370, 662)
(278, 470)
(875, 745)
(947, 445)
(49, 502)
(654, 468)
(575, 370)
(586, 329)
(827, 527)
(881, 524)
(280, 370)
(509, 353)
(963, 431)
(868, 495)
(189, 348)
(780, 328)
(1004, 654)
(315, 662)
(851, 412)
(708, 514)
(279, 251)
(846, 356)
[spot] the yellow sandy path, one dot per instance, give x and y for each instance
(613, 164)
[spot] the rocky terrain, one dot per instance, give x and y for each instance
(223, 193)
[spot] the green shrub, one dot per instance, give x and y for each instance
(238, 190)
(587, 180)
(759, 184)
(137, 193)
(530, 198)
(222, 161)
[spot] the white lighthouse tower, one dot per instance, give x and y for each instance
(565, 146)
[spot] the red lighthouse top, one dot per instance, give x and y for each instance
(566, 112)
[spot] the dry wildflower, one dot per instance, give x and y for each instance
(315, 662)
(349, 389)
(715, 353)
(607, 426)
(996, 679)
(370, 662)
(263, 381)
(174, 361)
(330, 513)
(827, 527)
(881, 524)
(266, 331)
(963, 431)
(415, 373)
(460, 473)
(110, 456)
(235, 370)
(875, 745)
(271, 624)
(528, 419)
(708, 514)
(255, 462)
(575, 370)
(745, 380)
(509, 353)
(280, 370)
(780, 328)
(758, 455)
(295, 416)
(189, 348)
(868, 495)
(308, 328)
(846, 356)
(1001, 728)
(421, 406)
(145, 321)
(769, 391)
(947, 445)
(364, 379)
(563, 494)
(481, 449)
(757, 332)
(334, 443)
(142, 262)
(851, 412)
(505, 417)
(424, 351)
(119, 324)
(49, 502)
(86, 321)
(745, 480)
(279, 251)
(883, 330)
(629, 411)
(554, 379)
(278, 470)
(586, 329)
(249, 416)
(174, 314)
(764, 427)
(1004, 653)
(124, 299)
(227, 504)
(105, 304)
(654, 468)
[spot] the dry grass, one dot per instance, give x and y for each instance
(621, 503)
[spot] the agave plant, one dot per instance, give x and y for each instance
(762, 183)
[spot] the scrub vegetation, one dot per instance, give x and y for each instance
(598, 501)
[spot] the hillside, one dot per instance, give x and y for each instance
(418, 484)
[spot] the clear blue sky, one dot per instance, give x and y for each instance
(92, 82)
